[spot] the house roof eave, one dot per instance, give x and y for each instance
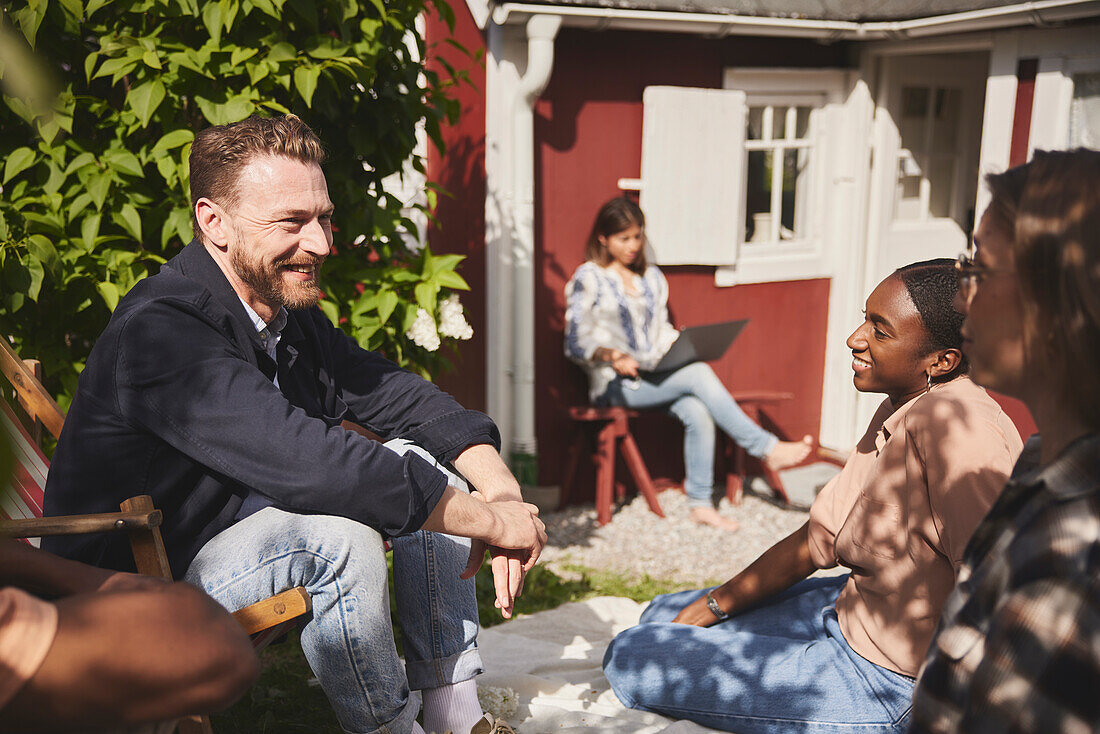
(1039, 13)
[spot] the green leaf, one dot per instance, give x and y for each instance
(109, 292)
(439, 263)
(272, 105)
(43, 250)
(89, 64)
(451, 279)
(256, 72)
(38, 275)
(74, 9)
(18, 161)
(331, 311)
(222, 113)
(118, 67)
(93, 6)
(151, 59)
(282, 51)
(172, 140)
(89, 230)
(145, 98)
(240, 54)
(80, 161)
(387, 302)
(267, 7)
(425, 296)
(305, 80)
(212, 19)
(98, 186)
(78, 205)
(328, 48)
(177, 224)
(124, 161)
(129, 220)
(229, 13)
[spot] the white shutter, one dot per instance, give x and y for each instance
(693, 196)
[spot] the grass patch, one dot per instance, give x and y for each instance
(282, 701)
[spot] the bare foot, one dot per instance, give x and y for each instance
(789, 453)
(710, 516)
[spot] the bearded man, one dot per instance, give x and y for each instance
(220, 389)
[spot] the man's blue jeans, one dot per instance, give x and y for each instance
(780, 668)
(349, 642)
(699, 400)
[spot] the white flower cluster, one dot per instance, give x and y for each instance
(423, 332)
(500, 702)
(452, 323)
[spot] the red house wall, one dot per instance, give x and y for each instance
(588, 132)
(461, 215)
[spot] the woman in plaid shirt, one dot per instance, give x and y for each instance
(1018, 647)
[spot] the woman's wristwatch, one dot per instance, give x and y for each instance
(716, 610)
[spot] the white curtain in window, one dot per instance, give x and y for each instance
(693, 153)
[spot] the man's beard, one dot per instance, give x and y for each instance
(268, 283)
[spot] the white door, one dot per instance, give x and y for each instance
(927, 140)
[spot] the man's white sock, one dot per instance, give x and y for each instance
(451, 708)
(417, 729)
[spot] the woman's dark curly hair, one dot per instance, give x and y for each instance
(932, 285)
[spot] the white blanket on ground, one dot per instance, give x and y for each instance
(552, 660)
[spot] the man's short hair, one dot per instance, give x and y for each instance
(219, 153)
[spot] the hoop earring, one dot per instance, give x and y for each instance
(928, 386)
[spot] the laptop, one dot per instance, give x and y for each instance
(700, 344)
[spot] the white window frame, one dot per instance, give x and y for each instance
(805, 257)
(1054, 99)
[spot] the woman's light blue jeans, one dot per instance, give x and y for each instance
(699, 400)
(349, 642)
(781, 668)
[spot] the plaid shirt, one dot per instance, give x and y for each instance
(1018, 647)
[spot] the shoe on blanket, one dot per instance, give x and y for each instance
(489, 724)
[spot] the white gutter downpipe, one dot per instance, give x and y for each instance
(541, 31)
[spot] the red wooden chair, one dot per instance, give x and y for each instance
(613, 433)
(21, 513)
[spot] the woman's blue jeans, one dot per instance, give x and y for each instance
(780, 668)
(349, 641)
(699, 400)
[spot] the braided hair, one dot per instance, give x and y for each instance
(932, 285)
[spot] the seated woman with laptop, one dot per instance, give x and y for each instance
(617, 329)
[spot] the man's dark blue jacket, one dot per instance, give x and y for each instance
(177, 402)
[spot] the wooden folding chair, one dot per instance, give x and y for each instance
(21, 513)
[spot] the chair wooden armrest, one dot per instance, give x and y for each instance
(274, 610)
(32, 396)
(41, 527)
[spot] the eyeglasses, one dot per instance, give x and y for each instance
(970, 273)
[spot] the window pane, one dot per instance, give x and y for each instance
(756, 123)
(914, 101)
(1084, 117)
(779, 117)
(941, 177)
(945, 128)
(907, 194)
(758, 195)
(802, 129)
(794, 162)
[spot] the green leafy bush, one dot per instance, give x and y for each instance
(95, 193)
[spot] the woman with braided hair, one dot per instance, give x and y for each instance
(771, 650)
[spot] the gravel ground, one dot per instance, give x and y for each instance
(636, 542)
